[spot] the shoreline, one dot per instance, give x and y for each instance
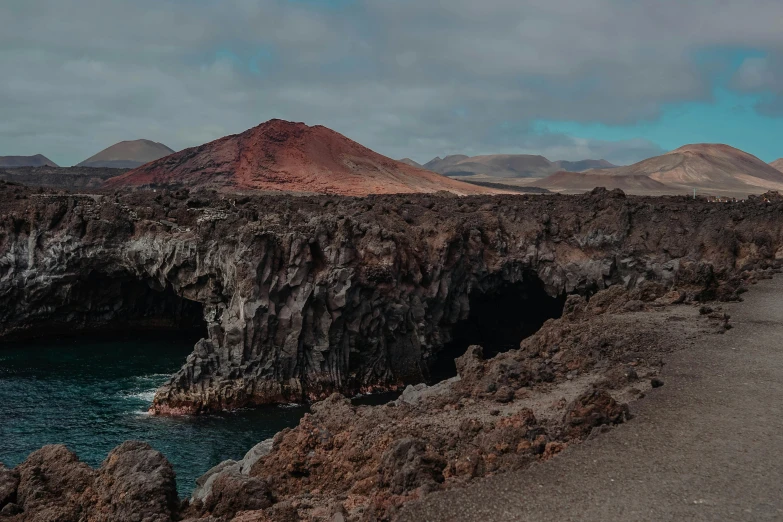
(311, 470)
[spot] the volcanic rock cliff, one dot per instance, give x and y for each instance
(306, 296)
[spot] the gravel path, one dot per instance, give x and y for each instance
(708, 445)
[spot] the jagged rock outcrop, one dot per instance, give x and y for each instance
(9, 482)
(134, 483)
(306, 296)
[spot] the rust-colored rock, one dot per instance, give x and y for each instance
(593, 409)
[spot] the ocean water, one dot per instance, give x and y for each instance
(92, 395)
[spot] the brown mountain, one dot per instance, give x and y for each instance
(442, 165)
(39, 160)
(778, 164)
(508, 166)
(291, 157)
(410, 162)
(127, 155)
(583, 165)
(714, 168)
(584, 181)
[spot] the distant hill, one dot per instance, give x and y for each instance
(127, 155)
(778, 164)
(291, 157)
(585, 181)
(581, 166)
(442, 165)
(38, 160)
(508, 166)
(410, 162)
(71, 178)
(712, 168)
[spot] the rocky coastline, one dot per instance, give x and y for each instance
(303, 297)
(571, 380)
(319, 298)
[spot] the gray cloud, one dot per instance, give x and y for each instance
(408, 78)
(763, 75)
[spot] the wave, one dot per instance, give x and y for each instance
(143, 387)
(289, 405)
(146, 395)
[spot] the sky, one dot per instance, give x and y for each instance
(621, 80)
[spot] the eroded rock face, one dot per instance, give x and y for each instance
(54, 485)
(9, 482)
(135, 482)
(306, 296)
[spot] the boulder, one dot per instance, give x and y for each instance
(135, 484)
(55, 485)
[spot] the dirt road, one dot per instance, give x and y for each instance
(708, 445)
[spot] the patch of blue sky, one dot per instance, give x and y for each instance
(253, 60)
(729, 117)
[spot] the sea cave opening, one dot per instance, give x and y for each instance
(121, 306)
(502, 314)
(86, 371)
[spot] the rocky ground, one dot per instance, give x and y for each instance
(569, 381)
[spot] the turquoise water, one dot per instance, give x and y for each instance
(92, 395)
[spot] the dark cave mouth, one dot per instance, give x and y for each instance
(102, 307)
(501, 316)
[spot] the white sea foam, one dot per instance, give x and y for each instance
(144, 387)
(146, 395)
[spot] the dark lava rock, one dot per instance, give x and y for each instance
(234, 492)
(470, 365)
(504, 395)
(408, 465)
(135, 483)
(369, 273)
(592, 409)
(52, 485)
(10, 510)
(656, 383)
(9, 481)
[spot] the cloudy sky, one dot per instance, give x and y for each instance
(569, 79)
